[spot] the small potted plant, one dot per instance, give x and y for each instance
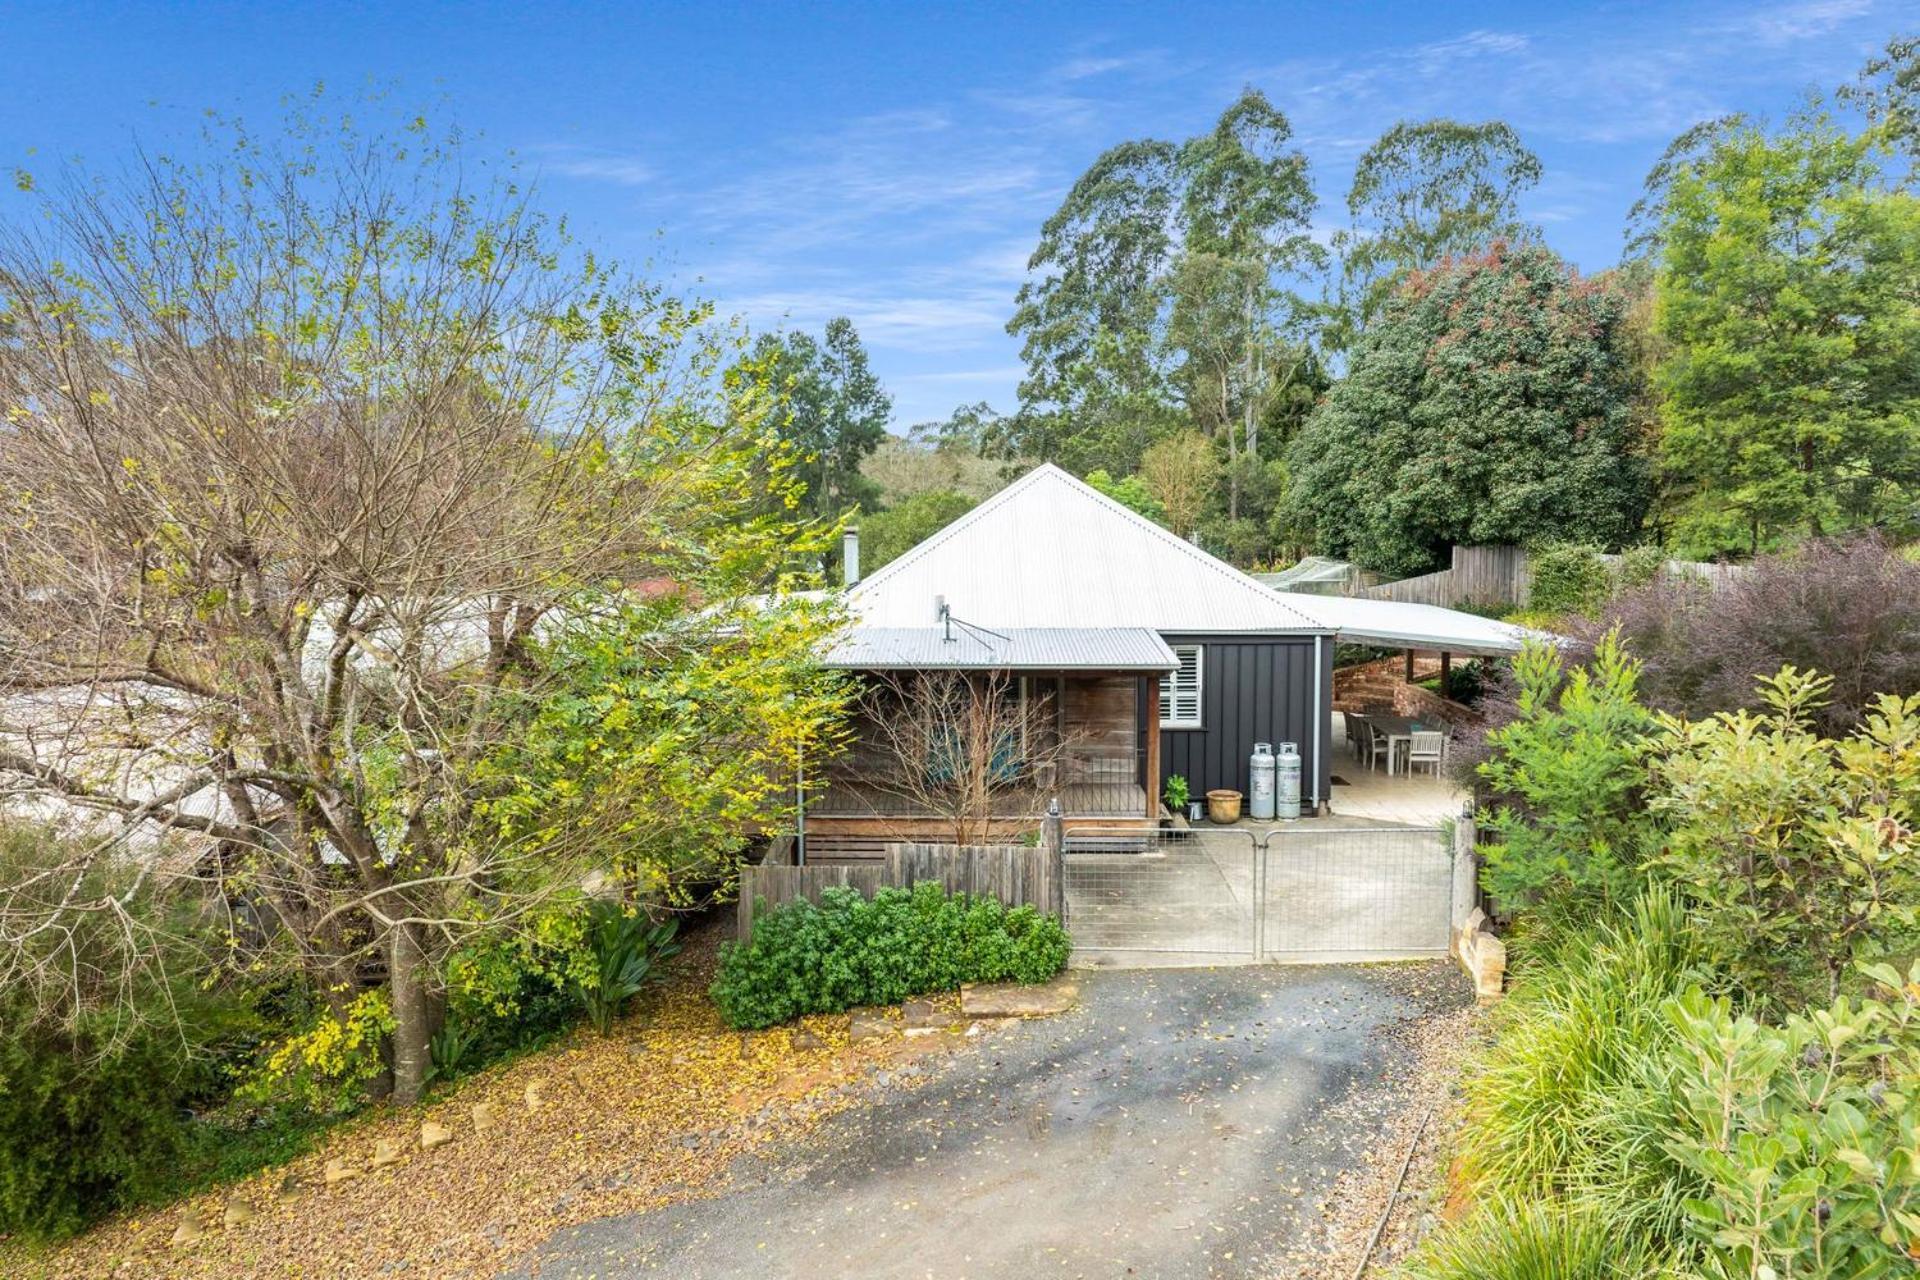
(1174, 793)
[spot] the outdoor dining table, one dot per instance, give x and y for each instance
(1398, 730)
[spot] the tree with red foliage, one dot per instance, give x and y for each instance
(1492, 401)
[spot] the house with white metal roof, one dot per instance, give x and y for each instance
(1153, 657)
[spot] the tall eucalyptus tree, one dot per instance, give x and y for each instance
(1161, 294)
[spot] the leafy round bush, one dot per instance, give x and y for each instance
(850, 950)
(83, 1132)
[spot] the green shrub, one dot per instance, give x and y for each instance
(1176, 793)
(113, 1027)
(627, 949)
(1640, 566)
(1806, 1136)
(83, 1133)
(1565, 776)
(850, 950)
(1795, 854)
(1531, 1242)
(1568, 577)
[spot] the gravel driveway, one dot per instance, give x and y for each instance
(1179, 1123)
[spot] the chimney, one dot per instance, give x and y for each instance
(850, 554)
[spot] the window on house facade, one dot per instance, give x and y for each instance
(1180, 690)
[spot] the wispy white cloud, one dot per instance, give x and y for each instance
(591, 166)
(1786, 24)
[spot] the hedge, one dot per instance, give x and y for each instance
(850, 950)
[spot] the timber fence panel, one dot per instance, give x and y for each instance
(1016, 875)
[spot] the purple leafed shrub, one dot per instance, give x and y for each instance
(1849, 608)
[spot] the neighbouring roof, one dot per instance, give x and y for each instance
(1313, 574)
(1050, 551)
(1419, 626)
(1020, 649)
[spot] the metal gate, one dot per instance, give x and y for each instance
(1290, 895)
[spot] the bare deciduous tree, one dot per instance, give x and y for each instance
(965, 747)
(298, 450)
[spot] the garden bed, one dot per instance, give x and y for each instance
(654, 1113)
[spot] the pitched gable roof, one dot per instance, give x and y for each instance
(1052, 551)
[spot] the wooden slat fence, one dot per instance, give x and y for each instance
(1503, 575)
(1015, 874)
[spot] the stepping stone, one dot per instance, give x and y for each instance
(190, 1230)
(289, 1185)
(535, 1095)
(239, 1213)
(924, 1015)
(434, 1135)
(386, 1152)
(1013, 1000)
(339, 1170)
(869, 1026)
(484, 1118)
(805, 1041)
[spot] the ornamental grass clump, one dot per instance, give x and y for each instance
(1567, 1102)
(1530, 1242)
(850, 950)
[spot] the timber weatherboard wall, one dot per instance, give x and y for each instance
(1254, 688)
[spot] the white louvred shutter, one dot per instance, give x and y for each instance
(1180, 690)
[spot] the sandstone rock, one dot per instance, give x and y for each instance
(535, 1095)
(1012, 1000)
(434, 1135)
(339, 1170)
(289, 1185)
(238, 1214)
(805, 1041)
(484, 1118)
(190, 1231)
(869, 1026)
(1488, 965)
(924, 1015)
(386, 1153)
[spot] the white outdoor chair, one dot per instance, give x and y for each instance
(1427, 748)
(1379, 746)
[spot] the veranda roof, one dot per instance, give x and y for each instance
(965, 648)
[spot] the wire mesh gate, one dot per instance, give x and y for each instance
(1313, 896)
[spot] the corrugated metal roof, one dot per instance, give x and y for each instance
(1051, 551)
(863, 648)
(1418, 626)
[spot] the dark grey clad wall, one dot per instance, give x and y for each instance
(1253, 689)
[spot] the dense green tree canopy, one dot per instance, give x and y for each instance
(1424, 191)
(835, 411)
(1787, 305)
(889, 534)
(1489, 403)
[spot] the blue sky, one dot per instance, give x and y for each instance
(893, 161)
